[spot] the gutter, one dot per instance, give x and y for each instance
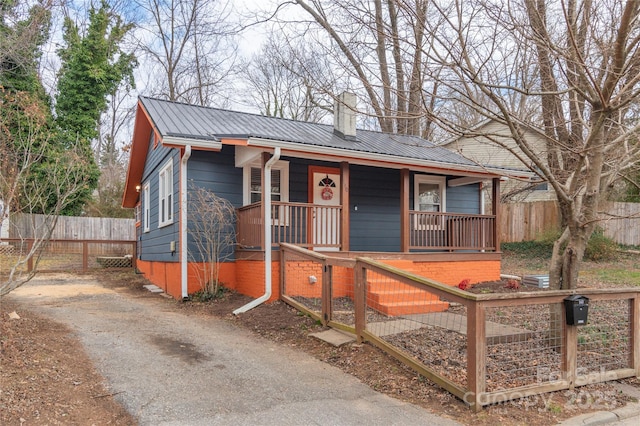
(388, 160)
(183, 222)
(267, 237)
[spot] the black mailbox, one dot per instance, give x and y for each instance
(577, 308)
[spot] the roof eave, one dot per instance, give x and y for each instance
(195, 143)
(461, 169)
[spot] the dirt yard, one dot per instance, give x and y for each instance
(46, 378)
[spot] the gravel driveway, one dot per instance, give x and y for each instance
(170, 368)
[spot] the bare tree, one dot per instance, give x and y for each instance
(279, 81)
(575, 65)
(189, 47)
(111, 153)
(379, 50)
(212, 236)
(26, 154)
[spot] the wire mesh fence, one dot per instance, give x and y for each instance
(427, 327)
(342, 292)
(303, 278)
(66, 255)
(523, 346)
(481, 347)
(604, 343)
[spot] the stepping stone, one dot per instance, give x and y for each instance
(335, 337)
(153, 288)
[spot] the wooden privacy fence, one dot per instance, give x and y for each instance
(483, 348)
(526, 221)
(621, 222)
(73, 227)
(70, 229)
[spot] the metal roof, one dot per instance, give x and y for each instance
(174, 119)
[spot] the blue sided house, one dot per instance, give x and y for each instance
(321, 187)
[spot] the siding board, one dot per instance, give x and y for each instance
(375, 226)
(155, 244)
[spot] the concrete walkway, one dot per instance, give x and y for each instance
(171, 368)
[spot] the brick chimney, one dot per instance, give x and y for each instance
(344, 116)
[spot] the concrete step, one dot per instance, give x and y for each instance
(394, 309)
(393, 296)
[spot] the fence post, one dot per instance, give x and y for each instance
(283, 269)
(30, 260)
(476, 352)
(85, 256)
(360, 297)
(569, 353)
(635, 333)
(327, 273)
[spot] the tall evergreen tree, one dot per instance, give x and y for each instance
(24, 102)
(21, 41)
(93, 65)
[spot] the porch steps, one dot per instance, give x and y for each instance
(395, 309)
(401, 299)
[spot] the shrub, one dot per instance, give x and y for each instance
(600, 248)
(206, 296)
(529, 249)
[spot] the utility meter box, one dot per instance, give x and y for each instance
(576, 308)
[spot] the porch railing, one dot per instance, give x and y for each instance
(302, 224)
(313, 225)
(451, 231)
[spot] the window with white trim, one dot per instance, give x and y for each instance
(252, 184)
(165, 194)
(146, 208)
(429, 196)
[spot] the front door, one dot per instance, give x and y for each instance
(324, 193)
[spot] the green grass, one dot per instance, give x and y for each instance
(623, 277)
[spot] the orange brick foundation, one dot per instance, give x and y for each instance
(247, 276)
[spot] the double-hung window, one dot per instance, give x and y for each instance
(429, 197)
(279, 186)
(165, 194)
(146, 208)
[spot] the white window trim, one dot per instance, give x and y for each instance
(163, 193)
(441, 181)
(146, 208)
(281, 165)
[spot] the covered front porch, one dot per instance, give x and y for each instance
(327, 227)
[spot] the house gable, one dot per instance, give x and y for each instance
(481, 146)
(490, 145)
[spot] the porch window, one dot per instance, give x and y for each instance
(146, 208)
(429, 196)
(279, 183)
(279, 186)
(165, 195)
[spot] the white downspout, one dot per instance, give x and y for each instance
(183, 223)
(267, 236)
